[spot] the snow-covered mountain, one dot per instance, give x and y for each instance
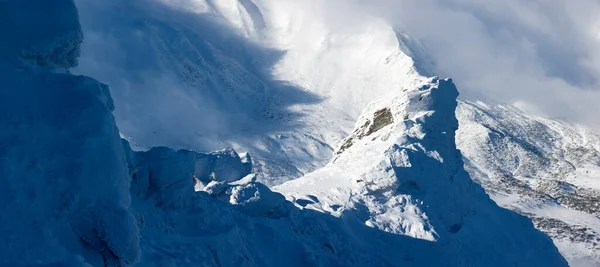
(400, 172)
(545, 169)
(294, 90)
(263, 77)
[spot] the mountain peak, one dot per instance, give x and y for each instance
(400, 172)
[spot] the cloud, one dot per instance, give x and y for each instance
(542, 54)
(184, 79)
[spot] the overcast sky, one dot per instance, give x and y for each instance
(543, 55)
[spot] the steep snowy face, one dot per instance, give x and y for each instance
(547, 170)
(376, 161)
(400, 172)
(260, 76)
(65, 186)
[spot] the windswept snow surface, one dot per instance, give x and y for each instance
(545, 169)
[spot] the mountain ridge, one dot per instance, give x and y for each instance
(166, 207)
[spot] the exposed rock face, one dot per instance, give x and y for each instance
(381, 118)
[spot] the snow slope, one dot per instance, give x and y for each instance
(545, 169)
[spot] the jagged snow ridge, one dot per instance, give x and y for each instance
(400, 172)
(239, 223)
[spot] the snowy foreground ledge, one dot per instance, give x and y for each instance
(74, 194)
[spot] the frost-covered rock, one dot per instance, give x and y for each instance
(247, 162)
(250, 178)
(258, 199)
(241, 224)
(400, 172)
(224, 165)
(227, 166)
(215, 188)
(63, 171)
(65, 183)
(169, 177)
